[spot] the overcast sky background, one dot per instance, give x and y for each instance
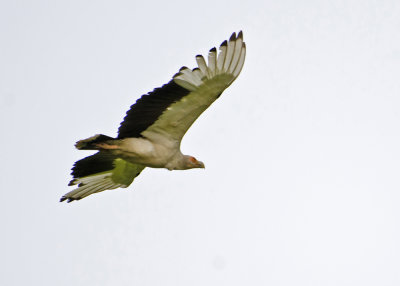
(302, 155)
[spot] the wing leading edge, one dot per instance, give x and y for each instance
(172, 109)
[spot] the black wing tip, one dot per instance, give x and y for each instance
(73, 181)
(177, 74)
(63, 198)
(213, 50)
(234, 37)
(224, 43)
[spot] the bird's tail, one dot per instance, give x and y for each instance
(91, 142)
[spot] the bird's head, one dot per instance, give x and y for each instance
(191, 162)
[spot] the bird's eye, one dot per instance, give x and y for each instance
(193, 159)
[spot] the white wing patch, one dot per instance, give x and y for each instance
(92, 184)
(229, 61)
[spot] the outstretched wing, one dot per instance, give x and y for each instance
(100, 172)
(170, 110)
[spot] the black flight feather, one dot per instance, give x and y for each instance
(97, 163)
(149, 108)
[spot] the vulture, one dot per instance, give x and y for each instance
(150, 134)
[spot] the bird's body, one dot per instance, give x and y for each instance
(152, 130)
(157, 152)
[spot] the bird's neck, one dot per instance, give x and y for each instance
(177, 162)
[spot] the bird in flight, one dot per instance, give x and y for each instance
(150, 134)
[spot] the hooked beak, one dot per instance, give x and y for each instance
(201, 165)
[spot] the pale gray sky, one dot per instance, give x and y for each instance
(301, 185)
